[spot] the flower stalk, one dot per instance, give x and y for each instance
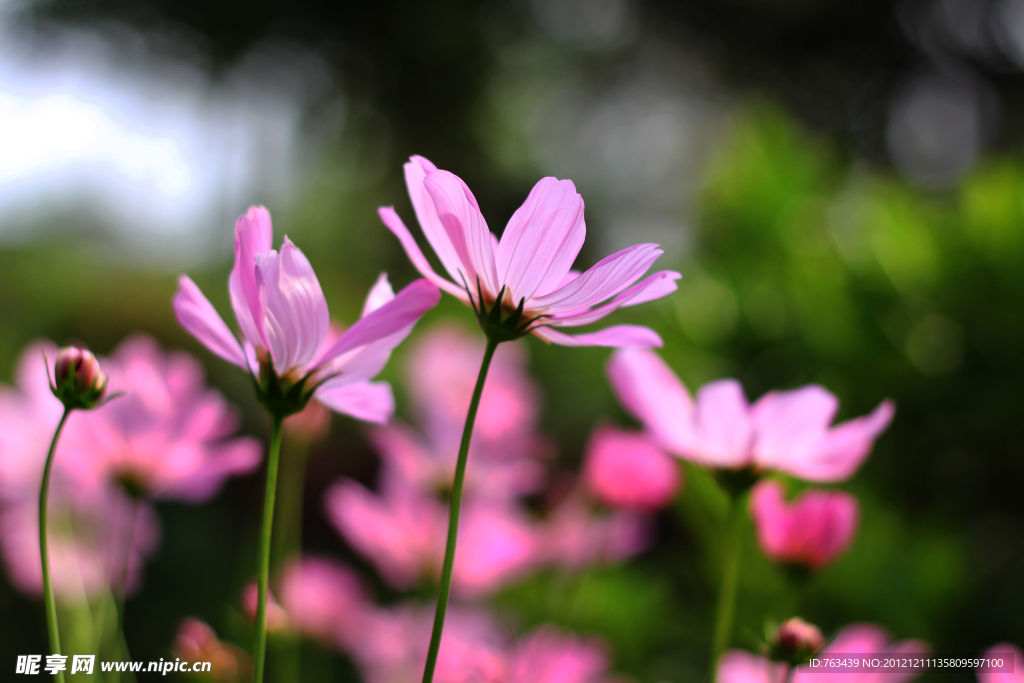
(266, 530)
(44, 554)
(455, 509)
(730, 581)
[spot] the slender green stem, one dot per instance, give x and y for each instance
(453, 518)
(121, 590)
(44, 552)
(260, 651)
(730, 580)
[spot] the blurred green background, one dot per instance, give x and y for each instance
(840, 183)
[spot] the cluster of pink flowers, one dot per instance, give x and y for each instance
(167, 437)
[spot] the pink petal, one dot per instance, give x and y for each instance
(653, 394)
(1010, 654)
(723, 426)
(737, 666)
(661, 283)
(197, 315)
(380, 294)
(790, 423)
(402, 311)
(466, 228)
(253, 235)
(549, 656)
(617, 336)
(605, 279)
(366, 401)
(295, 307)
(239, 456)
(416, 171)
(542, 239)
(624, 469)
(768, 509)
(842, 450)
(412, 250)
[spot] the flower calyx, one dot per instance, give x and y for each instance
(498, 326)
(78, 382)
(284, 395)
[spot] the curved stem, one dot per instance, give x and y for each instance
(730, 580)
(44, 553)
(453, 518)
(273, 456)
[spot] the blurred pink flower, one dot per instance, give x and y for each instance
(811, 531)
(167, 436)
(864, 639)
(325, 599)
(88, 543)
(625, 469)
(737, 666)
(786, 431)
(442, 370)
(573, 536)
(532, 261)
(277, 617)
(282, 313)
(549, 656)
(1001, 651)
(29, 415)
(197, 642)
(402, 532)
(394, 642)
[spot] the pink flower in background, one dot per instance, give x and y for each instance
(88, 543)
(167, 436)
(786, 431)
(532, 261)
(864, 639)
(737, 666)
(29, 415)
(325, 599)
(197, 642)
(811, 531)
(283, 316)
(1004, 651)
(402, 532)
(442, 370)
(277, 617)
(550, 656)
(574, 537)
(625, 469)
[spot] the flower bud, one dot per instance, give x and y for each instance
(795, 640)
(80, 383)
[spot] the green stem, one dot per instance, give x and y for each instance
(453, 519)
(730, 581)
(273, 456)
(121, 591)
(44, 553)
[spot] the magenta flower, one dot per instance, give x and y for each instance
(88, 544)
(786, 431)
(197, 642)
(1010, 654)
(550, 656)
(812, 531)
(625, 469)
(167, 436)
(529, 269)
(324, 599)
(573, 537)
(738, 666)
(283, 316)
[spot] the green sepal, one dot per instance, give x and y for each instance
(495, 325)
(73, 400)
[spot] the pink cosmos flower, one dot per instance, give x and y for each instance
(784, 430)
(812, 531)
(737, 666)
(625, 469)
(283, 316)
(574, 537)
(167, 436)
(88, 544)
(277, 617)
(197, 642)
(550, 656)
(1004, 651)
(325, 599)
(402, 532)
(532, 262)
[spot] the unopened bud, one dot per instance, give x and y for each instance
(795, 641)
(80, 383)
